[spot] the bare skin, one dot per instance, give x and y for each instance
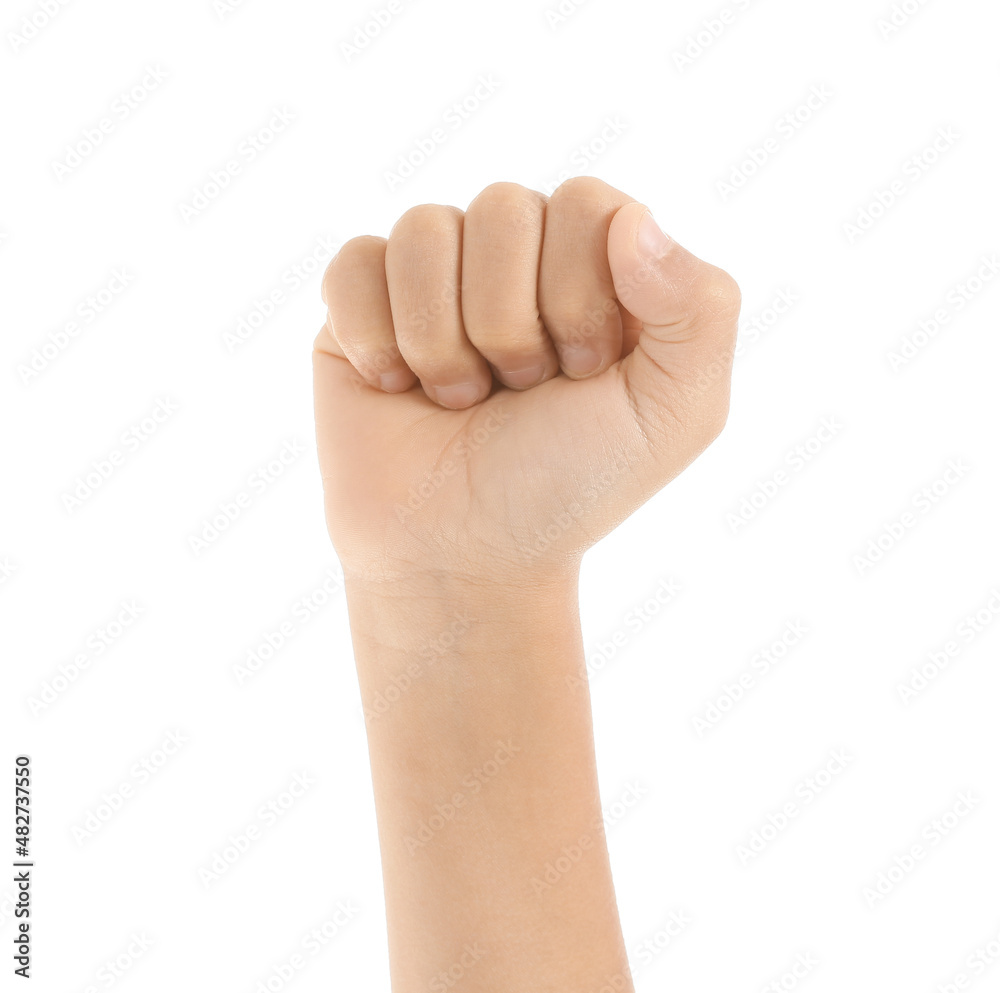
(496, 390)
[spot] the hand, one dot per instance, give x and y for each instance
(498, 389)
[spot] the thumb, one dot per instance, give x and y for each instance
(679, 371)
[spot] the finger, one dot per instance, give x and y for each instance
(325, 341)
(500, 255)
(689, 311)
(576, 293)
(357, 299)
(423, 267)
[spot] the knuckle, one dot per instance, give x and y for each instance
(577, 188)
(356, 254)
(509, 199)
(427, 219)
(502, 193)
(361, 248)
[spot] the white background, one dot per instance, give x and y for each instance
(798, 556)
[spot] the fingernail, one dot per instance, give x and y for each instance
(579, 360)
(458, 397)
(650, 239)
(522, 379)
(394, 382)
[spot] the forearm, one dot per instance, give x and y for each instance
(494, 857)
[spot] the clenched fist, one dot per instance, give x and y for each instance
(497, 389)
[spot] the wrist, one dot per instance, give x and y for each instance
(407, 613)
(444, 650)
